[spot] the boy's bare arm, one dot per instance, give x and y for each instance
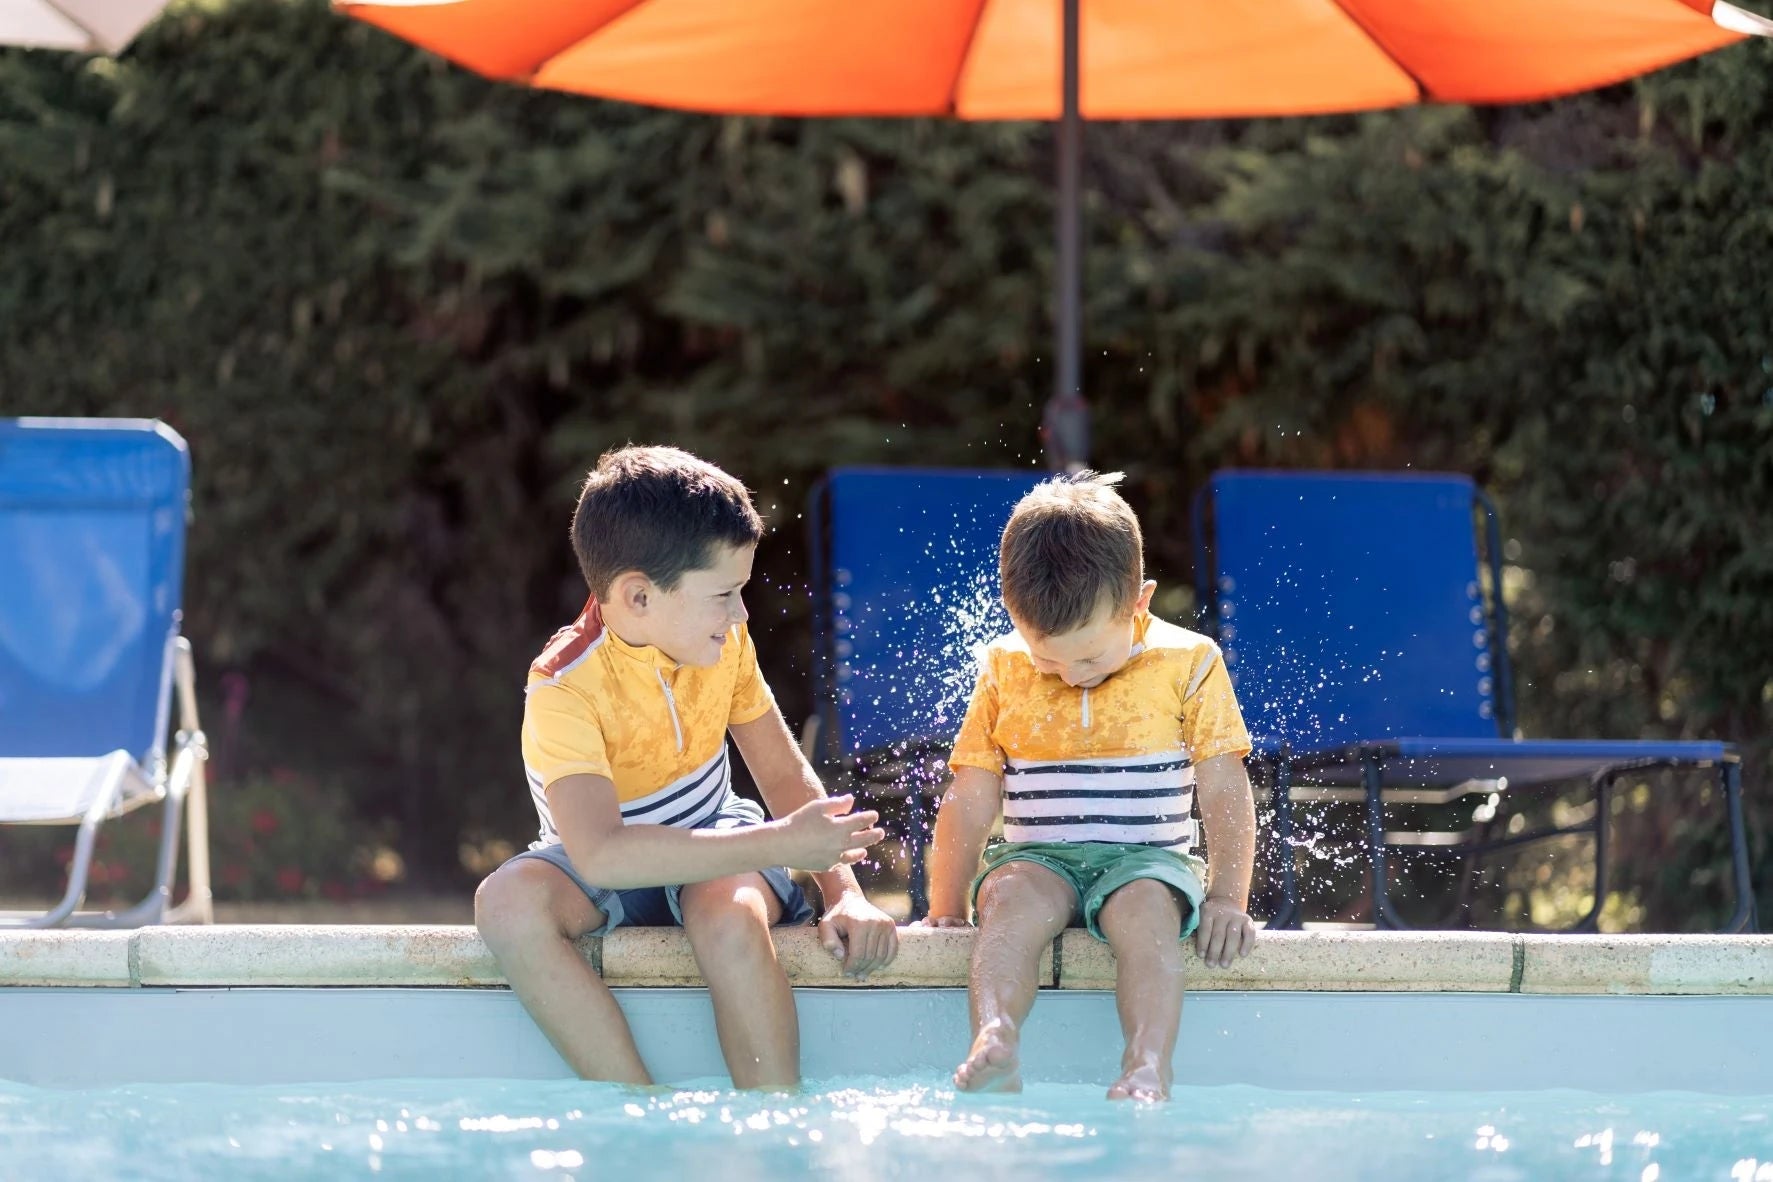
(1229, 814)
(787, 783)
(610, 854)
(852, 927)
(963, 825)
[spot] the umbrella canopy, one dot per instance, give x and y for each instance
(1065, 60)
(1000, 59)
(84, 26)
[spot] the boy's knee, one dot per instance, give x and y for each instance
(1144, 894)
(725, 920)
(1144, 914)
(511, 902)
(999, 888)
(1025, 890)
(497, 901)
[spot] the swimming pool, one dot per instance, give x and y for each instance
(379, 1052)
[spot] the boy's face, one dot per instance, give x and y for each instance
(1089, 654)
(692, 622)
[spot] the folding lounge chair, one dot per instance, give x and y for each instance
(92, 532)
(1370, 654)
(905, 586)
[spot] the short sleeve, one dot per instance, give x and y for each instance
(1212, 724)
(974, 746)
(562, 736)
(751, 693)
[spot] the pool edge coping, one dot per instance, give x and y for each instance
(454, 956)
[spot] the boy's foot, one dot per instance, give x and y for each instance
(994, 1063)
(1141, 1082)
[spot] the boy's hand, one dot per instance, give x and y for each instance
(861, 934)
(822, 835)
(943, 921)
(1225, 932)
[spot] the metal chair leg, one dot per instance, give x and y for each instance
(1744, 919)
(1603, 788)
(154, 906)
(919, 887)
(1286, 915)
(1383, 915)
(76, 892)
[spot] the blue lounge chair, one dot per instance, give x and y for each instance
(904, 567)
(1371, 658)
(92, 537)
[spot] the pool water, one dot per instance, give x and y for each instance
(869, 1127)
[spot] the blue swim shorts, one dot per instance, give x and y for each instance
(659, 906)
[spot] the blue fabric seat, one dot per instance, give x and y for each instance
(92, 539)
(1370, 655)
(905, 586)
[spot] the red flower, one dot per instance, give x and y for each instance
(290, 880)
(264, 822)
(233, 874)
(334, 890)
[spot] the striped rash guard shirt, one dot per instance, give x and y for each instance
(1111, 763)
(596, 705)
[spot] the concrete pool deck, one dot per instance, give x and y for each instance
(419, 956)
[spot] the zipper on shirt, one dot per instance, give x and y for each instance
(671, 701)
(1086, 708)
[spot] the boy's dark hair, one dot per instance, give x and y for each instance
(660, 511)
(1071, 545)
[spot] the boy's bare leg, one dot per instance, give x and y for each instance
(530, 913)
(1143, 922)
(728, 922)
(1022, 906)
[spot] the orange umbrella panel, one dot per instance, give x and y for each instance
(999, 59)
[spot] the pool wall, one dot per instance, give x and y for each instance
(1311, 1010)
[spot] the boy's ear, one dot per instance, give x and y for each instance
(1146, 590)
(634, 591)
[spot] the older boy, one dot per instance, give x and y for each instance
(1101, 722)
(624, 745)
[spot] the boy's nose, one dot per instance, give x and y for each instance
(739, 614)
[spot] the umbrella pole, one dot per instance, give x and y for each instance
(1065, 427)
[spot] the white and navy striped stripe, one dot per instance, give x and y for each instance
(1136, 800)
(550, 835)
(686, 802)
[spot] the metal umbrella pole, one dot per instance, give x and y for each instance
(1065, 425)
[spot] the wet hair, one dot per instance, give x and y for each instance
(1071, 545)
(660, 511)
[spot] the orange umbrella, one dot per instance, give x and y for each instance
(1057, 59)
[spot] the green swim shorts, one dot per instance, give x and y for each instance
(1096, 869)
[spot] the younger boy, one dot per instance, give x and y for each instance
(625, 723)
(1101, 722)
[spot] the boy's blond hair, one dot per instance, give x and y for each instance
(1071, 545)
